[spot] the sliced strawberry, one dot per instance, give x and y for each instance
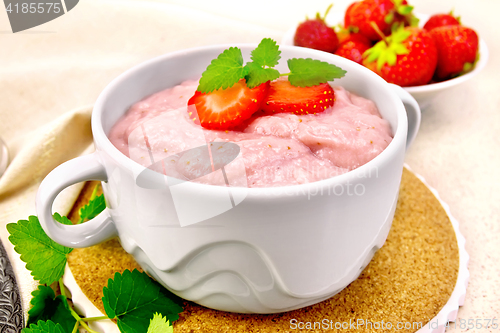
(225, 109)
(283, 97)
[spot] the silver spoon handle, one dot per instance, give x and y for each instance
(11, 311)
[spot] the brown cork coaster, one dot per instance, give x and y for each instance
(409, 279)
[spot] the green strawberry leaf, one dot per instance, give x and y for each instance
(405, 9)
(386, 51)
(131, 297)
(95, 205)
(258, 75)
(45, 327)
(399, 35)
(62, 219)
(159, 324)
(389, 17)
(309, 72)
(413, 20)
(46, 306)
(43, 257)
(223, 72)
(267, 53)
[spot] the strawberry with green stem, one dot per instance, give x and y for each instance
(316, 34)
(457, 48)
(384, 13)
(353, 46)
(407, 57)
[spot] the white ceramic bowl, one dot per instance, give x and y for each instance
(278, 248)
(423, 94)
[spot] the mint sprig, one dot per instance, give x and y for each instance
(227, 69)
(52, 314)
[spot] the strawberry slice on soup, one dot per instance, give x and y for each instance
(224, 109)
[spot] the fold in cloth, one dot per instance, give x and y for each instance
(39, 152)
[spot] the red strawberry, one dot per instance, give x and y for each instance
(457, 48)
(439, 20)
(315, 34)
(353, 47)
(284, 97)
(384, 13)
(225, 109)
(348, 25)
(408, 57)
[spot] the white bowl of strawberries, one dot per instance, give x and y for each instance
(423, 54)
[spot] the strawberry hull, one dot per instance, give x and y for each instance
(414, 67)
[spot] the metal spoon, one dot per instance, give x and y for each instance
(11, 311)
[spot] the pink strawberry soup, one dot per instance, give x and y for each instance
(283, 149)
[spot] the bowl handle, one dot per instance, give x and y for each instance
(97, 230)
(412, 111)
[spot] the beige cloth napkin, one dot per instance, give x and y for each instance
(66, 137)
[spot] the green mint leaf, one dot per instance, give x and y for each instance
(267, 53)
(223, 72)
(309, 72)
(258, 75)
(159, 324)
(38, 306)
(46, 306)
(43, 257)
(62, 219)
(45, 327)
(95, 205)
(131, 298)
